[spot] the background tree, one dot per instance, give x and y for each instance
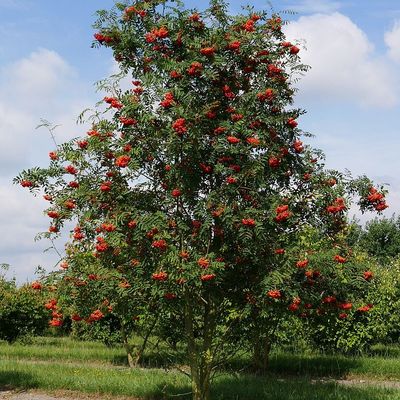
(21, 310)
(381, 238)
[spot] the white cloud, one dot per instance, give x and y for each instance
(12, 155)
(344, 65)
(21, 218)
(31, 81)
(392, 40)
(23, 265)
(315, 6)
(41, 85)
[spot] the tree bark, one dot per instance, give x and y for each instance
(261, 352)
(140, 351)
(201, 381)
(128, 348)
(200, 354)
(135, 354)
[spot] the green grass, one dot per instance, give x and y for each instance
(62, 363)
(283, 364)
(385, 350)
(72, 351)
(63, 349)
(153, 384)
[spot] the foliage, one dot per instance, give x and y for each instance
(362, 330)
(21, 311)
(381, 238)
(335, 300)
(107, 332)
(385, 318)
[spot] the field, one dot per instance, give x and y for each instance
(54, 364)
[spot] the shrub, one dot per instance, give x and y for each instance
(21, 311)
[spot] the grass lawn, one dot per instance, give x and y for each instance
(53, 364)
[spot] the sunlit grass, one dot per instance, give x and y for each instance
(74, 351)
(63, 349)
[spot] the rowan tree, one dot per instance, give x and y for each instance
(187, 197)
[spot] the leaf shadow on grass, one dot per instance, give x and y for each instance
(247, 387)
(281, 364)
(120, 360)
(153, 359)
(297, 365)
(316, 366)
(14, 379)
(384, 351)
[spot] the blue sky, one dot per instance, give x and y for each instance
(47, 70)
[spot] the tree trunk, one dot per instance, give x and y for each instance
(200, 356)
(201, 385)
(135, 354)
(267, 351)
(128, 348)
(132, 362)
(141, 349)
(261, 351)
(201, 378)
